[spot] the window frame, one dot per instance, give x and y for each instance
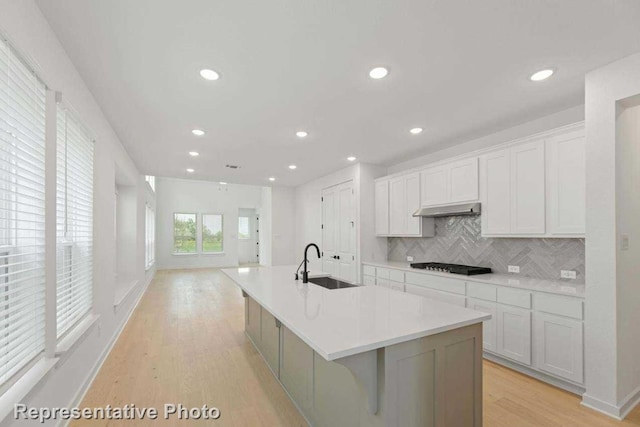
(196, 237)
(201, 234)
(151, 182)
(149, 237)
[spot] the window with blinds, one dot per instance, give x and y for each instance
(74, 258)
(150, 237)
(22, 235)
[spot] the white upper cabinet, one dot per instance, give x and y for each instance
(435, 186)
(398, 198)
(450, 183)
(537, 188)
(463, 181)
(496, 206)
(528, 189)
(513, 182)
(382, 207)
(566, 176)
(397, 206)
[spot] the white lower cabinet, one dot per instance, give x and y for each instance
(436, 295)
(396, 286)
(383, 282)
(559, 346)
(368, 280)
(489, 330)
(514, 333)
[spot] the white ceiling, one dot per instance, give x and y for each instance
(458, 68)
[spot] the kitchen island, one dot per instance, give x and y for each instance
(365, 356)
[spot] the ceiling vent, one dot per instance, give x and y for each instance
(233, 166)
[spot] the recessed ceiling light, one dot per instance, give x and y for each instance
(301, 134)
(292, 167)
(416, 131)
(541, 75)
(194, 153)
(190, 170)
(272, 179)
(223, 183)
(209, 74)
(378, 73)
(197, 132)
(351, 158)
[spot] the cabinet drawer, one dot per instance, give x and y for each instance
(482, 291)
(436, 295)
(383, 282)
(514, 297)
(368, 280)
(396, 276)
(383, 273)
(436, 282)
(563, 306)
(368, 270)
(396, 286)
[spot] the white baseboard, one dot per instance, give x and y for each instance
(91, 376)
(629, 402)
(600, 406)
(556, 382)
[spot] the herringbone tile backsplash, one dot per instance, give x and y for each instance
(458, 241)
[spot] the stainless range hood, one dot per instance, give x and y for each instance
(451, 210)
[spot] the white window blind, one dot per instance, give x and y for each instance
(150, 237)
(74, 261)
(22, 237)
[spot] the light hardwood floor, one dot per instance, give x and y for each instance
(185, 344)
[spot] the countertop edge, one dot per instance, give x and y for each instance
(478, 279)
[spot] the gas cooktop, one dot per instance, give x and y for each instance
(466, 270)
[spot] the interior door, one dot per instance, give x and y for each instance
(329, 250)
(339, 231)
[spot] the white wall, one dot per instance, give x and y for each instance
(201, 197)
(612, 352)
(266, 238)
(372, 248)
(23, 24)
(283, 231)
(562, 118)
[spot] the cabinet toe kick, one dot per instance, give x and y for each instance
(364, 367)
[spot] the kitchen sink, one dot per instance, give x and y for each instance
(331, 283)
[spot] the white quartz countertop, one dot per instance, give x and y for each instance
(551, 286)
(343, 322)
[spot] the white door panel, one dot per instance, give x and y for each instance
(339, 232)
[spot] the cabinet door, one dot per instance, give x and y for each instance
(559, 346)
(436, 295)
(382, 208)
(489, 331)
(396, 286)
(435, 186)
(463, 178)
(397, 207)
(566, 176)
(368, 280)
(496, 206)
(270, 341)
(528, 189)
(514, 333)
(412, 194)
(296, 368)
(252, 319)
(383, 282)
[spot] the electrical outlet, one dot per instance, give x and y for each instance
(567, 274)
(409, 258)
(624, 242)
(514, 269)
